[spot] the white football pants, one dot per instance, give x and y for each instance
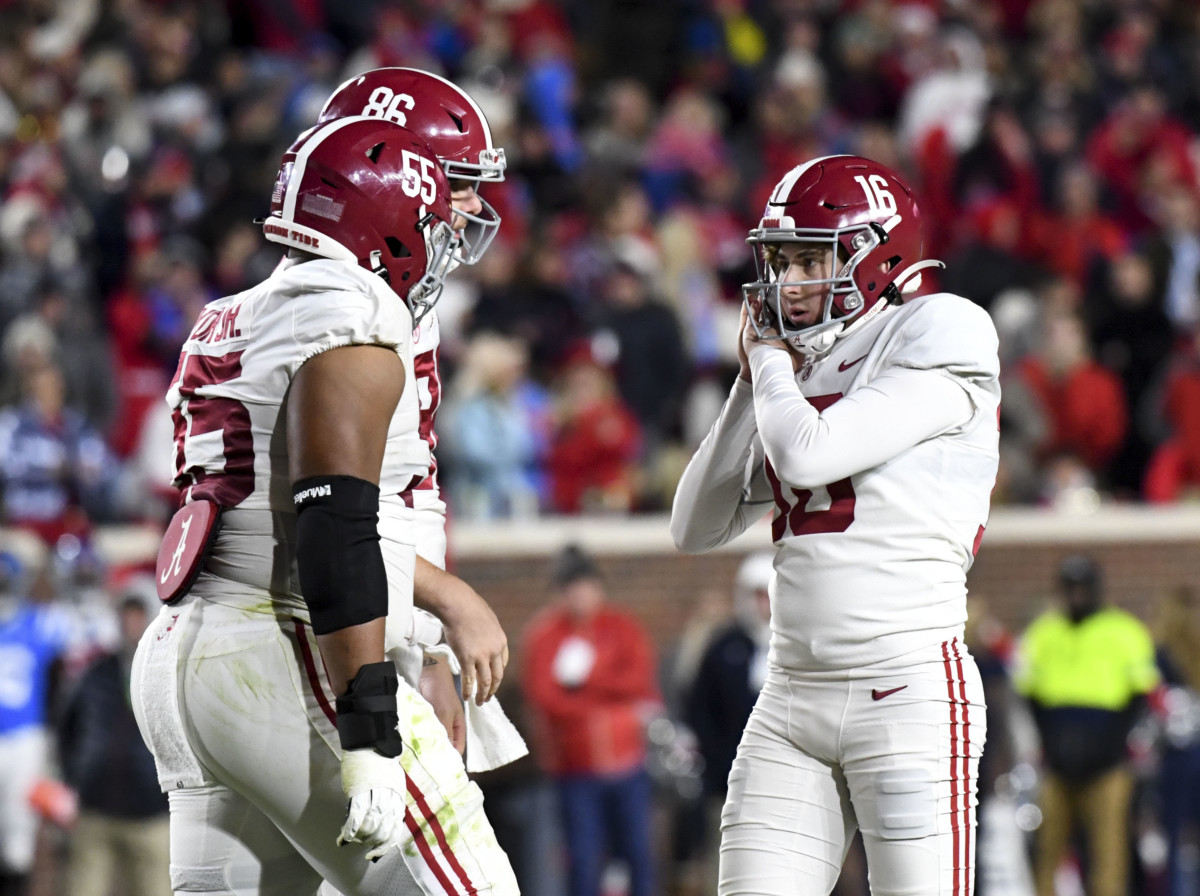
(893, 751)
(238, 712)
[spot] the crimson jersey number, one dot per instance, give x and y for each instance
(792, 516)
(429, 392)
(200, 415)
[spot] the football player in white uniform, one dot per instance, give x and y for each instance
(263, 688)
(458, 133)
(870, 424)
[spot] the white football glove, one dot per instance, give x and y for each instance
(375, 786)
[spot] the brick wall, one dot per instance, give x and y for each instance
(1016, 578)
(1143, 550)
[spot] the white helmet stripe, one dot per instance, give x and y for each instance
(301, 162)
(789, 180)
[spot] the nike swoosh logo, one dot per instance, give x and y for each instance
(877, 694)
(846, 365)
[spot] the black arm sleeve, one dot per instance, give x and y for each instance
(342, 575)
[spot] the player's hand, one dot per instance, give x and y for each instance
(750, 335)
(751, 338)
(474, 634)
(375, 786)
(436, 685)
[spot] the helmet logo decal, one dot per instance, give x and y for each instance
(281, 182)
(383, 103)
(879, 197)
(323, 206)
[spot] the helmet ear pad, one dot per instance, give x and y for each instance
(872, 273)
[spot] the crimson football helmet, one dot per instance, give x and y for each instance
(449, 120)
(868, 216)
(372, 192)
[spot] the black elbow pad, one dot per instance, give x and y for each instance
(342, 576)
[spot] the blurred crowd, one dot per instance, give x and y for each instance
(80, 806)
(1053, 144)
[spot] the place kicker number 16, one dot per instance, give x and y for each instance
(879, 197)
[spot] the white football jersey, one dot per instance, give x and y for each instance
(228, 404)
(237, 364)
(424, 492)
(879, 459)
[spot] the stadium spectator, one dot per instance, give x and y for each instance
(1138, 144)
(491, 434)
(40, 251)
(1076, 237)
(1133, 338)
(1086, 670)
(81, 348)
(1176, 629)
(589, 679)
(1174, 253)
(52, 463)
(595, 440)
(617, 141)
(1173, 473)
(687, 143)
(121, 832)
(34, 634)
(1082, 402)
(652, 367)
(718, 703)
(987, 260)
(535, 306)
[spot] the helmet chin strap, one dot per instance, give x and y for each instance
(820, 343)
(378, 267)
(909, 279)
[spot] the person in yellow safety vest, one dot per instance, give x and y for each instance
(1086, 670)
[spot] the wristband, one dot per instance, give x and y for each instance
(366, 713)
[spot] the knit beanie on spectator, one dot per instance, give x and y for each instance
(571, 565)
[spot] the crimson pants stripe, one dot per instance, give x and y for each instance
(427, 853)
(440, 835)
(954, 816)
(310, 667)
(968, 862)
